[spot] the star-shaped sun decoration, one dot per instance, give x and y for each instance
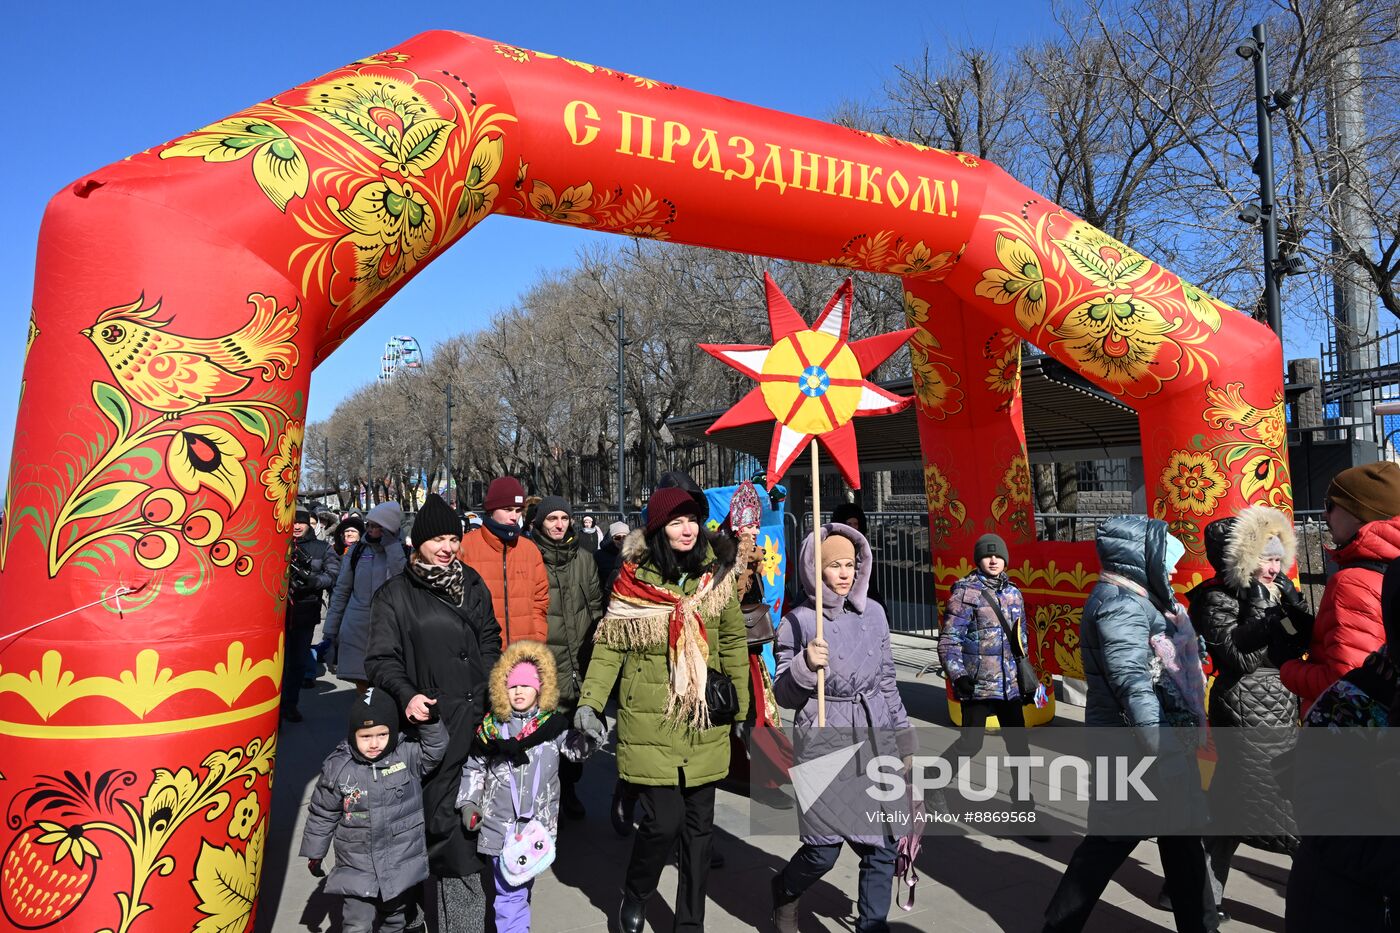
(812, 380)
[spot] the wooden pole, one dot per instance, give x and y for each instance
(817, 559)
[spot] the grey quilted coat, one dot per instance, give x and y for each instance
(374, 812)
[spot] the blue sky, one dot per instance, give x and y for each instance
(101, 81)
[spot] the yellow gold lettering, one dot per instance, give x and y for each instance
(897, 188)
(707, 152)
(746, 156)
(673, 134)
(571, 112)
(868, 187)
(832, 176)
(772, 171)
(625, 146)
(798, 169)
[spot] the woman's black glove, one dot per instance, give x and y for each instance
(1297, 619)
(1283, 647)
(964, 687)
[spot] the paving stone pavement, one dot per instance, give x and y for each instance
(971, 882)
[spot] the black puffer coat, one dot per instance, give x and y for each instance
(1252, 712)
(421, 644)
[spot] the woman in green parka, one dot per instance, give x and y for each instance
(674, 614)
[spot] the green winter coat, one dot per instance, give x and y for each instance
(575, 606)
(651, 749)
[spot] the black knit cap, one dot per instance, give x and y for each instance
(548, 505)
(990, 545)
(376, 708)
(303, 516)
(435, 518)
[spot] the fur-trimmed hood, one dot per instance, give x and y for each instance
(537, 654)
(1248, 535)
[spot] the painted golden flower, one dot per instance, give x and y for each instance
(1114, 337)
(935, 384)
(571, 207)
(1017, 479)
(920, 261)
(71, 842)
(936, 488)
(1202, 306)
(1193, 482)
(1020, 279)
(1100, 258)
(1228, 408)
(512, 53)
(647, 231)
(283, 475)
(1259, 474)
(916, 312)
(393, 228)
(1004, 378)
(209, 456)
(384, 113)
(166, 799)
(279, 167)
(480, 190)
(245, 816)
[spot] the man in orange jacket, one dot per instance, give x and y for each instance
(510, 564)
(1363, 514)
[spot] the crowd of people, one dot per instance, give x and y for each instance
(488, 652)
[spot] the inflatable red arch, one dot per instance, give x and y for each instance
(184, 295)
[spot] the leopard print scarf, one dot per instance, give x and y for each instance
(449, 581)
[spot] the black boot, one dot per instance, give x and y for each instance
(784, 907)
(631, 915)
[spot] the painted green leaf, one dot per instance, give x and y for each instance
(105, 499)
(114, 405)
(253, 421)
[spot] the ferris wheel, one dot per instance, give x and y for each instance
(400, 353)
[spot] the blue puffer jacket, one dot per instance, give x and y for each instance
(1114, 632)
(1117, 622)
(974, 644)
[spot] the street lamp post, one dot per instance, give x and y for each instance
(621, 416)
(1266, 102)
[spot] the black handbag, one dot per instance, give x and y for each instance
(1026, 677)
(721, 698)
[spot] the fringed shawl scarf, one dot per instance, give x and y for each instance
(643, 615)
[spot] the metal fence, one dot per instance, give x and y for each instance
(903, 578)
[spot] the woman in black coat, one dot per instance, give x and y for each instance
(1251, 712)
(433, 641)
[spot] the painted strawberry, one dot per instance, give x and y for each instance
(50, 865)
(45, 873)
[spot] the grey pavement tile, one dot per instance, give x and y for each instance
(969, 882)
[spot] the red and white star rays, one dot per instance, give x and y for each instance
(812, 380)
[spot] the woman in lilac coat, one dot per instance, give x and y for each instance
(863, 705)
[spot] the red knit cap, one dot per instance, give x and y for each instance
(505, 492)
(668, 503)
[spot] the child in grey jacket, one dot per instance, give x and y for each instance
(512, 777)
(369, 799)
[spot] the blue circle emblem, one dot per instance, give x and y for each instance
(813, 382)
